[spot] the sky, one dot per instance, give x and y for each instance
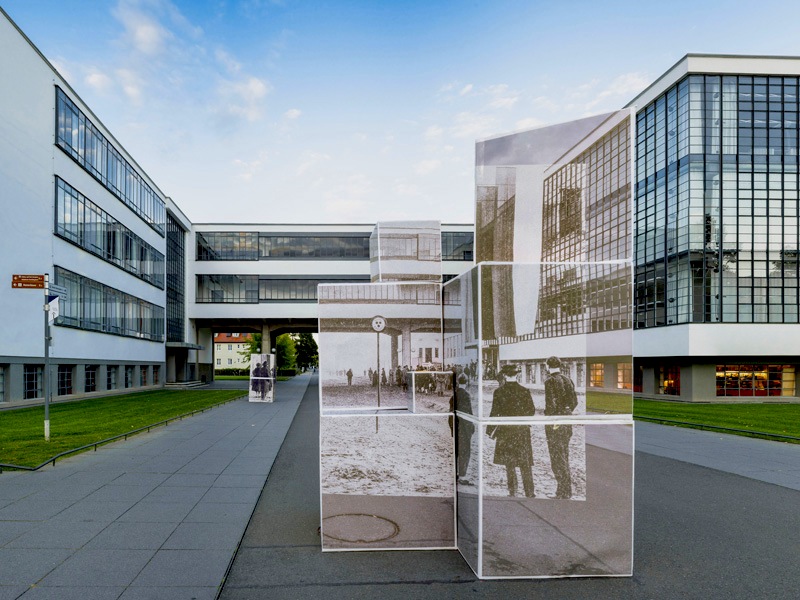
(283, 111)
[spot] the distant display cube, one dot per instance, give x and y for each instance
(406, 251)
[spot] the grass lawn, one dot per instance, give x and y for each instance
(75, 424)
(781, 419)
(604, 402)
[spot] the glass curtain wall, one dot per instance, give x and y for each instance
(716, 225)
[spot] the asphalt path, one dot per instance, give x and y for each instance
(699, 533)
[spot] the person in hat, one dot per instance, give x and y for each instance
(560, 399)
(513, 442)
(465, 429)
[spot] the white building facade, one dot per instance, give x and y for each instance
(715, 244)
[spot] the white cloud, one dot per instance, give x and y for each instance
(545, 103)
(311, 160)
(243, 99)
(473, 125)
(501, 97)
(434, 132)
(529, 123)
(465, 90)
(293, 113)
(248, 168)
(348, 200)
(427, 166)
(98, 80)
(226, 60)
(627, 84)
(131, 84)
(142, 31)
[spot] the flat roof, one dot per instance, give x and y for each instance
(717, 64)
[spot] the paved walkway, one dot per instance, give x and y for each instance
(161, 515)
(699, 532)
(156, 517)
(772, 462)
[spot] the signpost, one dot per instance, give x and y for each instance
(28, 281)
(41, 282)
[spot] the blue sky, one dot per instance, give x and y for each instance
(320, 112)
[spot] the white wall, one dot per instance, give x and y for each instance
(29, 161)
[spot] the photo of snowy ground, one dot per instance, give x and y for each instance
(387, 481)
(544, 481)
(387, 455)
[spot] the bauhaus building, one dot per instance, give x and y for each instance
(713, 206)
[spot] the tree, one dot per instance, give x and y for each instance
(307, 351)
(285, 353)
(253, 347)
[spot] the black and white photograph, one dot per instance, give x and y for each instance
(430, 391)
(370, 337)
(534, 460)
(467, 486)
(406, 251)
(461, 339)
(262, 378)
(541, 536)
(387, 481)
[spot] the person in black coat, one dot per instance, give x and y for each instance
(464, 429)
(560, 400)
(513, 442)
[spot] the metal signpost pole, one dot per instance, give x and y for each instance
(46, 358)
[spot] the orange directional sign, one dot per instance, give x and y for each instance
(27, 281)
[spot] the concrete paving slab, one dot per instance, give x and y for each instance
(33, 510)
(176, 494)
(170, 593)
(120, 493)
(157, 512)
(204, 536)
(203, 480)
(132, 536)
(92, 510)
(12, 592)
(58, 535)
(22, 566)
(232, 494)
(73, 593)
(220, 512)
(11, 530)
(94, 567)
(203, 568)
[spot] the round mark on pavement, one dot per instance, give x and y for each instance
(359, 528)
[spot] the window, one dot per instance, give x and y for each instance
(457, 245)
(156, 374)
(129, 372)
(669, 380)
(78, 137)
(2, 383)
(756, 380)
(90, 378)
(80, 221)
(32, 382)
(219, 361)
(230, 361)
(143, 375)
(596, 374)
(624, 376)
(97, 307)
(65, 380)
(111, 377)
(230, 347)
